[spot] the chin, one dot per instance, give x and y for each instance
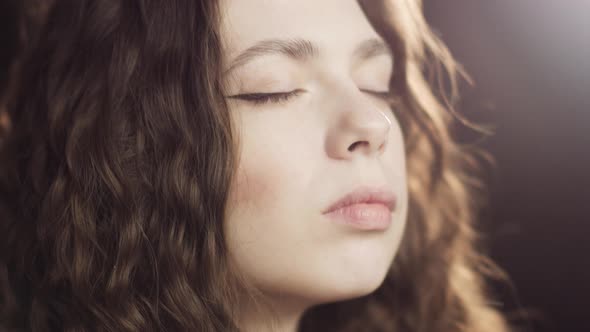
(359, 285)
(360, 271)
(349, 283)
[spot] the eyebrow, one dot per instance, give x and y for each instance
(303, 50)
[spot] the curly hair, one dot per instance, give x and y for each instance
(116, 168)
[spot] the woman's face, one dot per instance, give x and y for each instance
(303, 151)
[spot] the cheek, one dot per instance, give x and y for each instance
(255, 184)
(263, 164)
(258, 227)
(269, 173)
(249, 185)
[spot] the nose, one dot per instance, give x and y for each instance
(360, 127)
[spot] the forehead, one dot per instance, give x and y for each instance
(334, 25)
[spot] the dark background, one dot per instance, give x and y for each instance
(530, 60)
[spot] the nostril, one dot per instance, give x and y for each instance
(353, 145)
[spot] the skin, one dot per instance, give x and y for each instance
(299, 155)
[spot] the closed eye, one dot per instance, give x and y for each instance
(282, 97)
(385, 95)
(265, 98)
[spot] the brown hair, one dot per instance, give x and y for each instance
(115, 174)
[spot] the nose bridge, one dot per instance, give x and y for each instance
(357, 125)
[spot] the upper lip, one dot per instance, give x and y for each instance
(368, 195)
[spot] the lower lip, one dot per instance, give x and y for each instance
(363, 216)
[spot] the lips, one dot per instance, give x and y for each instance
(365, 195)
(366, 208)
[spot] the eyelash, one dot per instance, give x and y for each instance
(265, 98)
(282, 97)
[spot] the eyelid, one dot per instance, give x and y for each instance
(267, 97)
(258, 98)
(386, 95)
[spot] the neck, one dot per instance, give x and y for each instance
(271, 315)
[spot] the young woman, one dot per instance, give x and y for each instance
(250, 165)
